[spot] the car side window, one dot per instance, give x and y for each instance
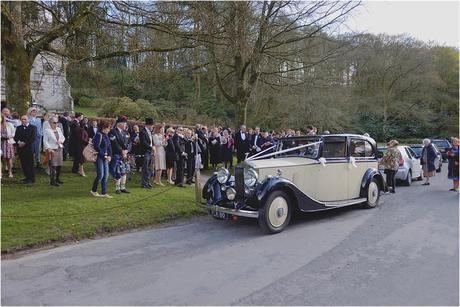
(412, 152)
(361, 148)
(334, 148)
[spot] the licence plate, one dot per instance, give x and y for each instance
(220, 215)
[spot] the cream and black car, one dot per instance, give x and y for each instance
(305, 174)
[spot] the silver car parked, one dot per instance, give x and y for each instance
(409, 165)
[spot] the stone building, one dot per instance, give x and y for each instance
(49, 87)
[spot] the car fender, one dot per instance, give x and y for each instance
(368, 176)
(209, 183)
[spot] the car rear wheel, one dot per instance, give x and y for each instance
(372, 194)
(408, 180)
(276, 214)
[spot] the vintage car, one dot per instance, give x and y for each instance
(303, 174)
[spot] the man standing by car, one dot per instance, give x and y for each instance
(242, 144)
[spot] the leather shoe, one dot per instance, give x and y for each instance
(118, 192)
(59, 181)
(180, 185)
(125, 191)
(146, 187)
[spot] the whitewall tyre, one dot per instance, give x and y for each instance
(276, 214)
(372, 194)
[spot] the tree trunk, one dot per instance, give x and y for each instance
(16, 58)
(18, 65)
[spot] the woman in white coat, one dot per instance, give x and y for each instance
(53, 141)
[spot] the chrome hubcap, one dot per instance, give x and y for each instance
(373, 193)
(277, 213)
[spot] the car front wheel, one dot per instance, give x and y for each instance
(373, 194)
(276, 214)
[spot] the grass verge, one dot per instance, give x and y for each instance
(38, 215)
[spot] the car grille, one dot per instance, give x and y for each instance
(239, 182)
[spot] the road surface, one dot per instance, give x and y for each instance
(405, 252)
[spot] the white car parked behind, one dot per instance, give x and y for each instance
(409, 165)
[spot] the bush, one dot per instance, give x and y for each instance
(84, 101)
(116, 106)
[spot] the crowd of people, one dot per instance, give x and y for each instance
(154, 150)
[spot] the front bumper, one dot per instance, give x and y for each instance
(237, 212)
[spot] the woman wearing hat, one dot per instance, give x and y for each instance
(427, 160)
(390, 162)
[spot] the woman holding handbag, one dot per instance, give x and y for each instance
(53, 141)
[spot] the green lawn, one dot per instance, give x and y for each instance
(40, 214)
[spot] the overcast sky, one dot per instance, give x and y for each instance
(425, 20)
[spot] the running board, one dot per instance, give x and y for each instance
(344, 203)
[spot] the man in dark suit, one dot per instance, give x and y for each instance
(181, 156)
(121, 143)
(255, 141)
(146, 149)
(203, 142)
(192, 149)
(75, 140)
(24, 138)
(65, 122)
(242, 144)
(92, 129)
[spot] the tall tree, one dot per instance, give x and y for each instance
(29, 28)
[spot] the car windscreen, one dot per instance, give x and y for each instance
(307, 151)
(441, 143)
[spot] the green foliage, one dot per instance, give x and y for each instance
(117, 106)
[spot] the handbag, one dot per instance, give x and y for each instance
(89, 153)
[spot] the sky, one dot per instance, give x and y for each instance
(425, 20)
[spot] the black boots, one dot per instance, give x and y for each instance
(58, 173)
(53, 176)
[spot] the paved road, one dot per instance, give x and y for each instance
(404, 252)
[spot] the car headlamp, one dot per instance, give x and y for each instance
(250, 177)
(231, 193)
(223, 175)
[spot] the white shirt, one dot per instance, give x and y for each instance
(243, 136)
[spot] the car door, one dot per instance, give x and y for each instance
(332, 177)
(416, 167)
(361, 151)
